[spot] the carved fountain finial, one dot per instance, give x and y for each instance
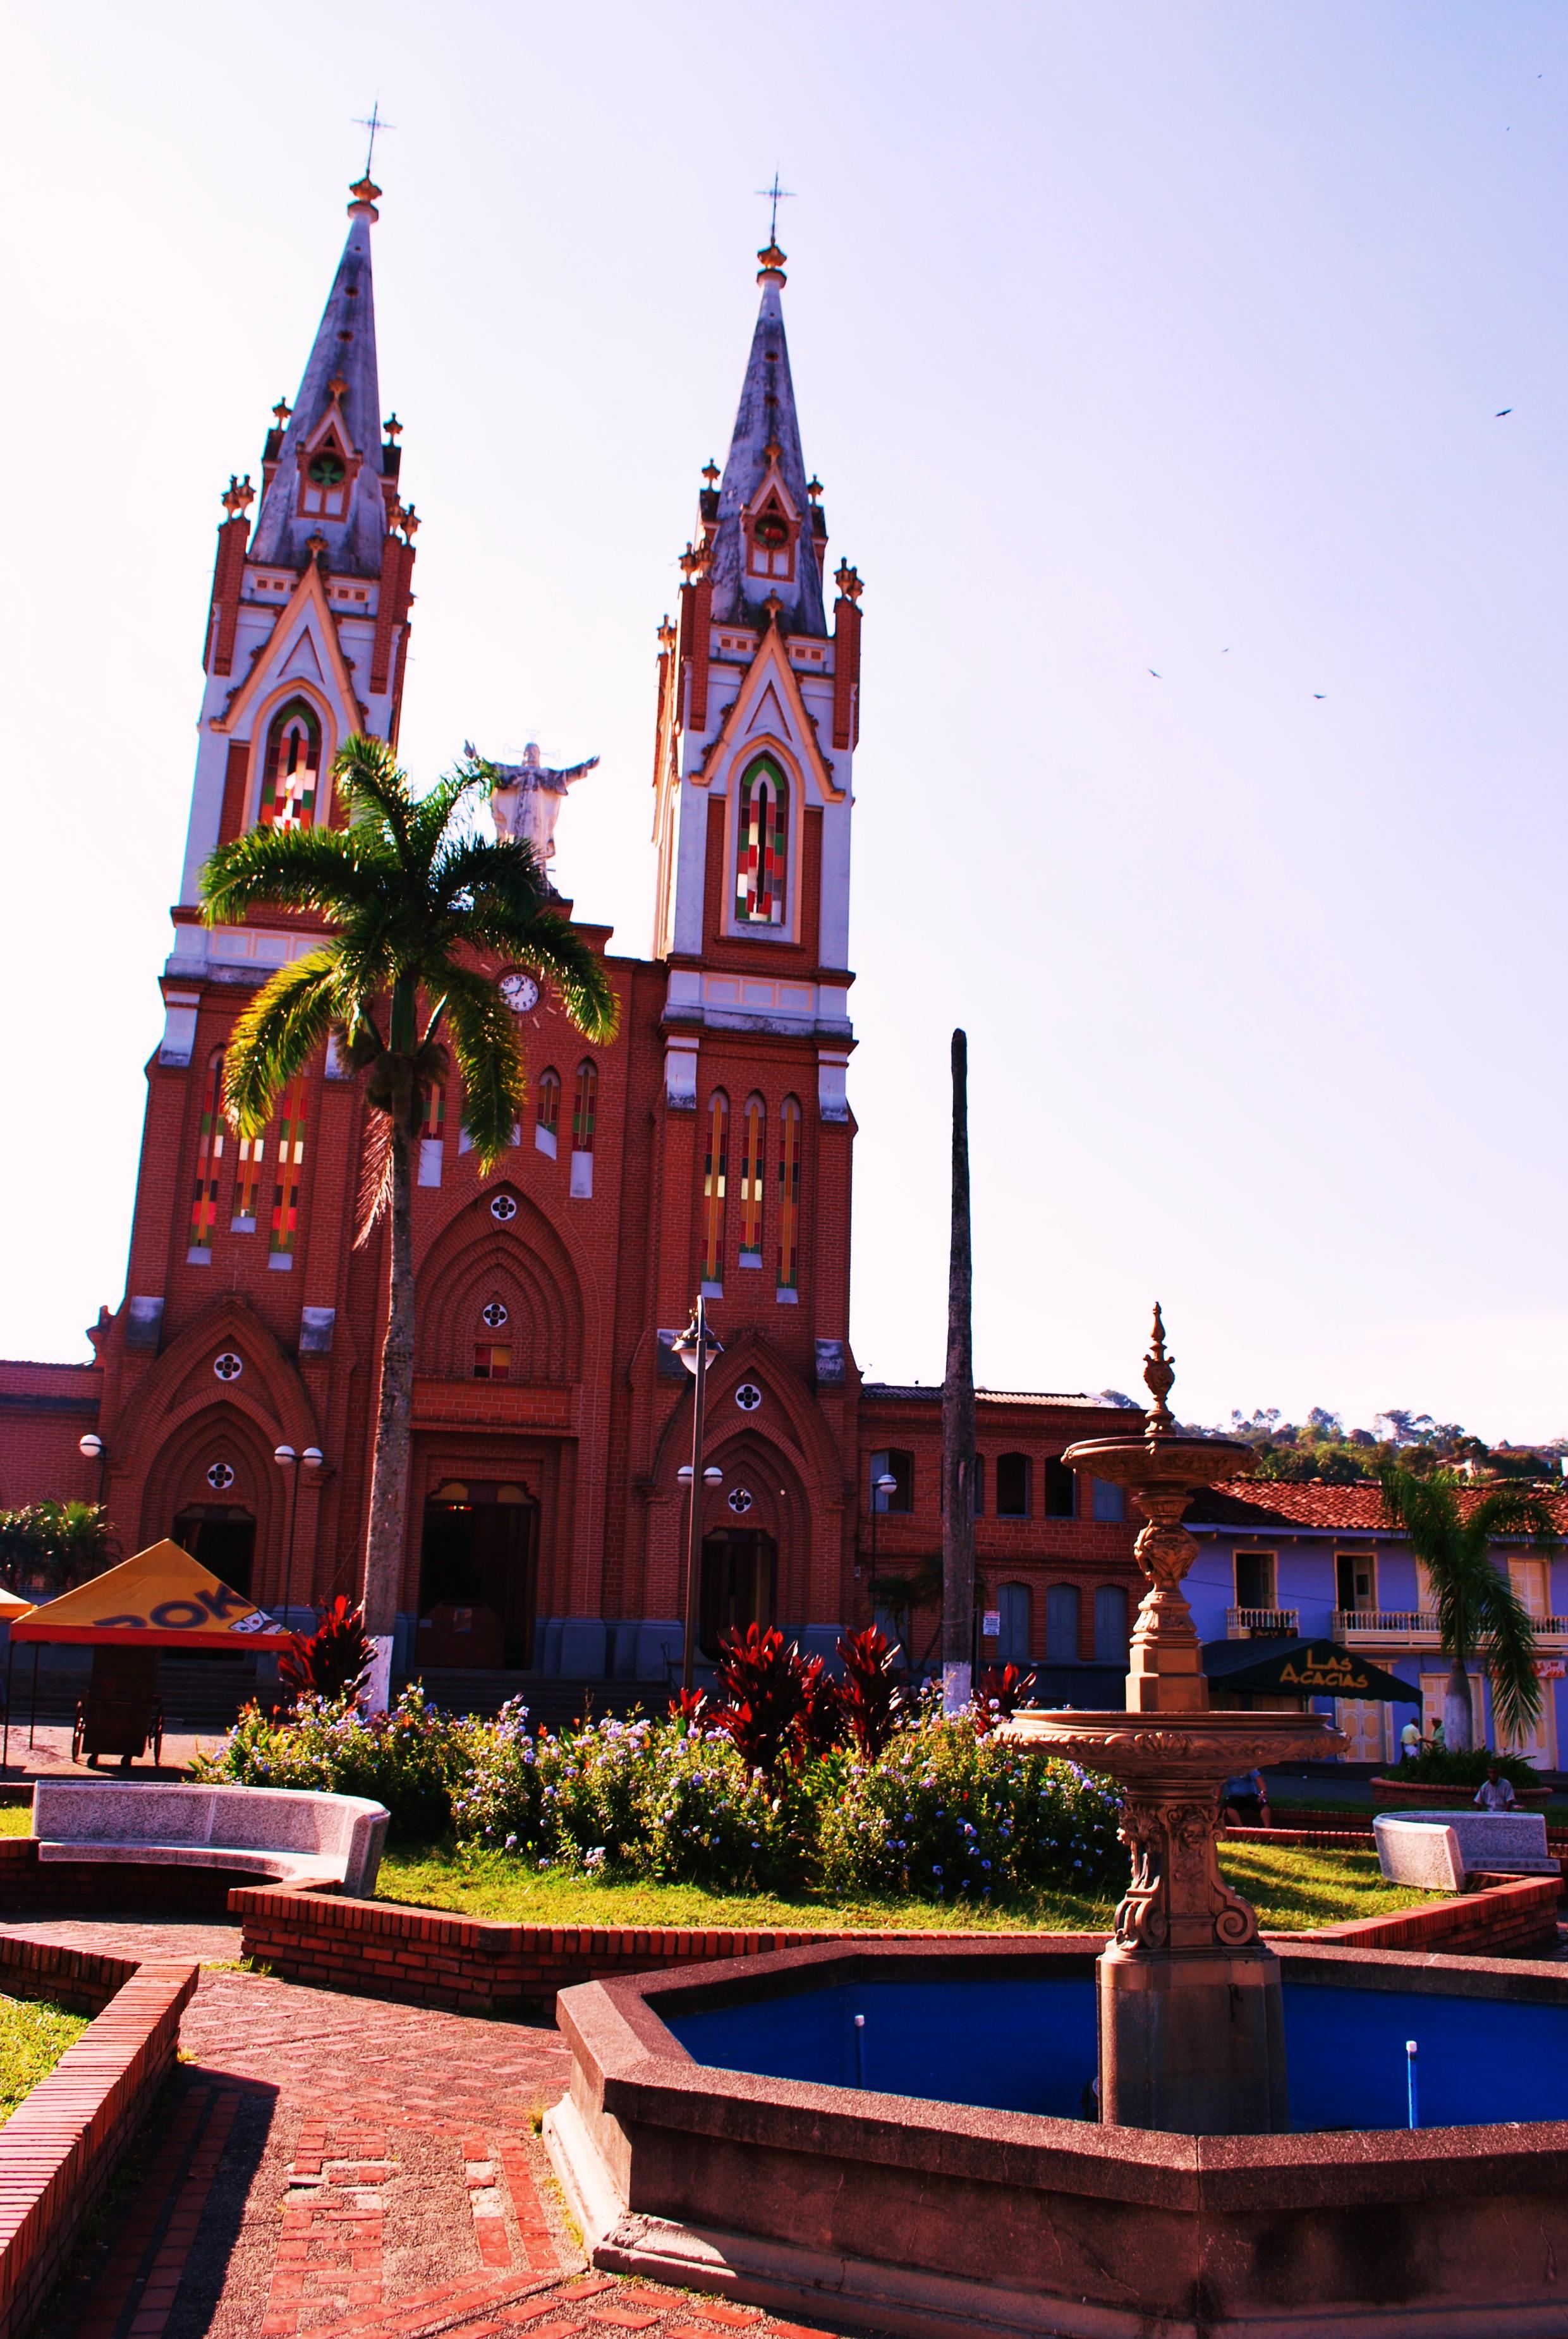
(1158, 1378)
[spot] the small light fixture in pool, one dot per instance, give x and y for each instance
(1410, 2079)
(860, 2052)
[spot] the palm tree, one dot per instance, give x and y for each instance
(1478, 1611)
(52, 1546)
(427, 919)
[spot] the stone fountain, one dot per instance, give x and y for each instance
(1191, 2024)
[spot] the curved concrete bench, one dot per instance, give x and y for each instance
(287, 1835)
(1439, 1849)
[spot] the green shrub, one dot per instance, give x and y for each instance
(1449, 1766)
(409, 1758)
(951, 1813)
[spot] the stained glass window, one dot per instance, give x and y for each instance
(789, 1195)
(247, 1184)
(291, 1161)
(753, 1171)
(583, 1106)
(294, 767)
(209, 1159)
(433, 1110)
(547, 1110)
(762, 860)
(715, 1187)
(772, 544)
(492, 1360)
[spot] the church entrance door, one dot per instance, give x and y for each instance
(739, 1585)
(478, 1566)
(222, 1539)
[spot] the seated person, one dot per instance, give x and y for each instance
(1245, 1801)
(1495, 1793)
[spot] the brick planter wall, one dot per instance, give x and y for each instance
(87, 1887)
(1501, 1917)
(60, 2146)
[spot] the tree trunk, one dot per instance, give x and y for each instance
(1458, 1720)
(387, 1533)
(958, 1420)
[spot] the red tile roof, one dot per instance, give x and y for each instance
(1270, 1503)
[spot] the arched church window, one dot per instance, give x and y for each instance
(294, 767)
(789, 1198)
(715, 1188)
(324, 488)
(290, 1167)
(753, 1169)
(547, 1110)
(209, 1164)
(762, 859)
(584, 1106)
(772, 548)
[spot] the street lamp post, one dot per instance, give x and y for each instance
(92, 1446)
(287, 1459)
(694, 1347)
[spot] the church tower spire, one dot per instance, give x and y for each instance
(768, 536)
(307, 628)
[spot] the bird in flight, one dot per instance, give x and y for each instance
(1320, 694)
(1159, 677)
(1501, 412)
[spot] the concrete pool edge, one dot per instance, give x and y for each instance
(907, 2216)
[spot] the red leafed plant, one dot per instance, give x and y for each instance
(1002, 1689)
(687, 1707)
(820, 1727)
(335, 1658)
(765, 1679)
(868, 1697)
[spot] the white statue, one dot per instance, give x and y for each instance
(526, 799)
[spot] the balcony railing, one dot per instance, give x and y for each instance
(1418, 1626)
(1262, 1624)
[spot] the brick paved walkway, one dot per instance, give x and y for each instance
(331, 2167)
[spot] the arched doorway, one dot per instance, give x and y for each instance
(739, 1585)
(221, 1539)
(477, 1565)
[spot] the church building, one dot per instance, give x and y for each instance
(231, 1398)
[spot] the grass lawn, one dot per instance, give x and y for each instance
(34, 2035)
(1291, 1890)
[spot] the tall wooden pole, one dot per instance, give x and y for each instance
(958, 1419)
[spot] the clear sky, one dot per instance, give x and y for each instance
(1164, 337)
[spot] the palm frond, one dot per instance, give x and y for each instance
(1507, 1646)
(488, 1045)
(279, 1030)
(1515, 1511)
(434, 813)
(551, 949)
(375, 1176)
(377, 789)
(324, 869)
(498, 871)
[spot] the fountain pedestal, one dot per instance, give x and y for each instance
(1191, 2023)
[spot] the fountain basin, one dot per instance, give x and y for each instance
(894, 2211)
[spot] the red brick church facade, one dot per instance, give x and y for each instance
(709, 1147)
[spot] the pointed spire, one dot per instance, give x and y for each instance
(339, 383)
(766, 445)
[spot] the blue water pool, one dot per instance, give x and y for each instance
(1031, 2047)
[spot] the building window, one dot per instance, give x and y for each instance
(291, 1161)
(1109, 1502)
(1061, 1606)
(1013, 1486)
(209, 1164)
(900, 1467)
(754, 1150)
(1060, 1489)
(324, 483)
(585, 1105)
(547, 1110)
(1355, 1581)
(492, 1360)
(432, 1123)
(247, 1184)
(1015, 1605)
(978, 1484)
(1254, 1579)
(1110, 1626)
(762, 857)
(772, 547)
(294, 767)
(716, 1183)
(789, 1197)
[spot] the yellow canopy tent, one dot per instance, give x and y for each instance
(162, 1598)
(11, 1606)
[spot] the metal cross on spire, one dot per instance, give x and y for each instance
(373, 123)
(775, 195)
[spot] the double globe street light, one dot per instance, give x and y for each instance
(287, 1459)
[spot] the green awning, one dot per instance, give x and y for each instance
(1303, 1669)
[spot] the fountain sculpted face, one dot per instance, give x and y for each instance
(1192, 2030)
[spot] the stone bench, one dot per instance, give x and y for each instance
(1438, 1849)
(286, 1835)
